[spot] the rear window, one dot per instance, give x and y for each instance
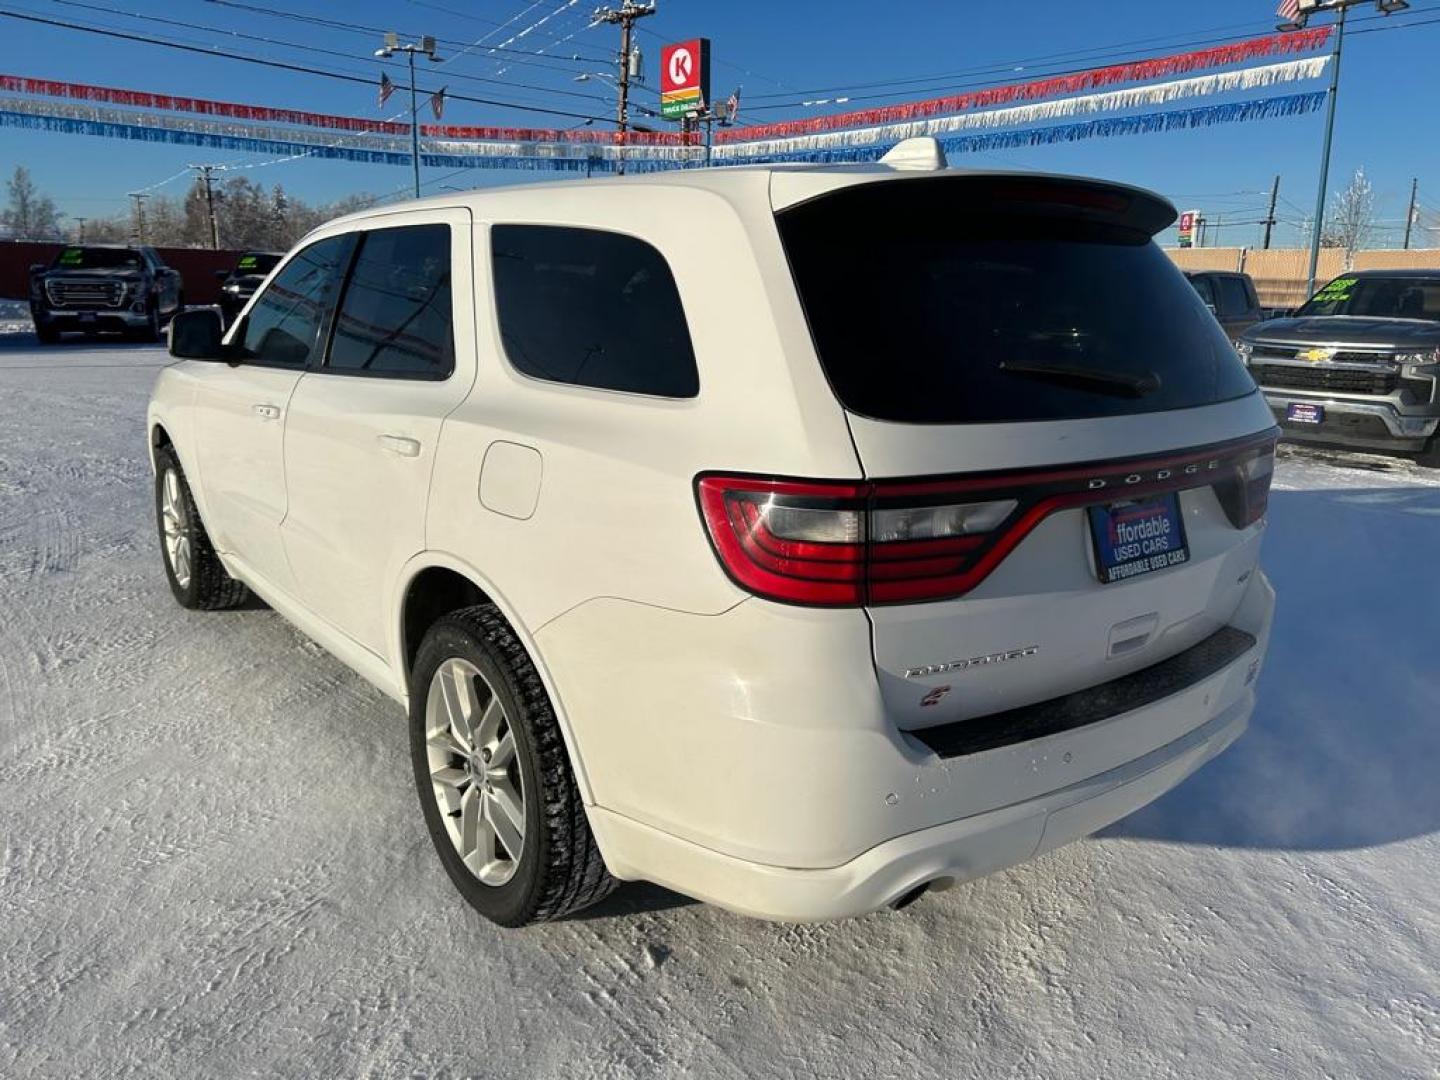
(1378, 297)
(591, 308)
(930, 304)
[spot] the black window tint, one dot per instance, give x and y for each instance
(945, 301)
(1233, 298)
(591, 308)
(284, 325)
(1203, 287)
(395, 318)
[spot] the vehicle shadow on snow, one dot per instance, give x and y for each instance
(1344, 748)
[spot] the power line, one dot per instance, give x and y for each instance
(360, 28)
(277, 64)
(314, 49)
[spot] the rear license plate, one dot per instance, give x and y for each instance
(1302, 412)
(1139, 536)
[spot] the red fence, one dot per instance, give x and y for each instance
(196, 265)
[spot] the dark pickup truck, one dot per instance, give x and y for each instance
(1231, 296)
(94, 288)
(1358, 365)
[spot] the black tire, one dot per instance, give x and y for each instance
(560, 869)
(1429, 458)
(208, 586)
(150, 332)
(47, 335)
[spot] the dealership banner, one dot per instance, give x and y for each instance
(1092, 79)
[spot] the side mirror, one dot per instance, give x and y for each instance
(195, 335)
(221, 275)
(1213, 309)
(37, 268)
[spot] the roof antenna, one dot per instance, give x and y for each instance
(921, 153)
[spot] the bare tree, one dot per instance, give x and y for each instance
(1350, 221)
(29, 215)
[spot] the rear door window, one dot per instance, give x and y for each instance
(1234, 301)
(283, 327)
(1205, 289)
(395, 318)
(946, 301)
(591, 308)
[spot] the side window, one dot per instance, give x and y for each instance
(591, 308)
(1250, 293)
(284, 325)
(395, 317)
(1202, 286)
(1233, 298)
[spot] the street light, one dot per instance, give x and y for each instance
(425, 45)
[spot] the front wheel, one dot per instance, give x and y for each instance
(47, 335)
(150, 332)
(495, 783)
(196, 576)
(1430, 457)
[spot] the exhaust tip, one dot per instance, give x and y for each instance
(906, 899)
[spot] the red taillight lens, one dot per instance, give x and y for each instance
(802, 543)
(845, 544)
(849, 543)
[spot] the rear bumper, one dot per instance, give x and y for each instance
(748, 758)
(938, 857)
(1379, 425)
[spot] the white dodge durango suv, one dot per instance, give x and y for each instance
(798, 538)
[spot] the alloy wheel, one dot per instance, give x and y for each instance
(475, 771)
(176, 525)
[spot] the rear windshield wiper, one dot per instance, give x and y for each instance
(1096, 380)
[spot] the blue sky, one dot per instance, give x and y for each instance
(782, 54)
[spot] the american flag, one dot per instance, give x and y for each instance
(386, 88)
(1289, 10)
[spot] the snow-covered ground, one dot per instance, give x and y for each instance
(212, 862)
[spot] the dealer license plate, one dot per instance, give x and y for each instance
(1138, 536)
(1302, 412)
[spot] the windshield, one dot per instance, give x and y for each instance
(1378, 297)
(87, 258)
(929, 306)
(256, 262)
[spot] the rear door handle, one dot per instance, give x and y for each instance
(400, 444)
(266, 412)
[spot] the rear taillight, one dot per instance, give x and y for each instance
(1245, 495)
(850, 543)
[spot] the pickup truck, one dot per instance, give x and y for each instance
(1231, 296)
(94, 288)
(1358, 365)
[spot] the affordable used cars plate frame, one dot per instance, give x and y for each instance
(1138, 536)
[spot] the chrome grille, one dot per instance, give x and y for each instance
(85, 294)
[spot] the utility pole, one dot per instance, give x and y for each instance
(1270, 217)
(137, 202)
(1409, 214)
(625, 15)
(1385, 7)
(425, 45)
(206, 172)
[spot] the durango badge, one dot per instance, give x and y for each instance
(973, 662)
